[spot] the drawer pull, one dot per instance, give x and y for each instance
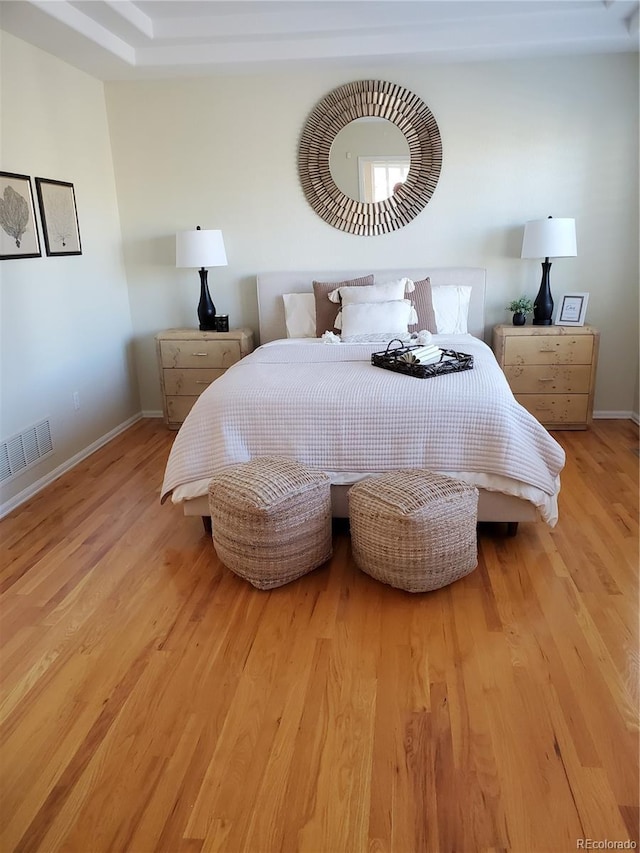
(203, 382)
(547, 349)
(545, 379)
(201, 354)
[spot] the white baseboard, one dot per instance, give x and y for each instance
(618, 416)
(40, 484)
(151, 414)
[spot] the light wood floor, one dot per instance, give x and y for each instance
(153, 701)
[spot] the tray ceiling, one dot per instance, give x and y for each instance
(122, 39)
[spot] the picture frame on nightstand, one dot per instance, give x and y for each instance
(572, 309)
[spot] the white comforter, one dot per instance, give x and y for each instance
(327, 406)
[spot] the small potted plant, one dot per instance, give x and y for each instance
(520, 308)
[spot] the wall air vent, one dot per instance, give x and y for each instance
(24, 449)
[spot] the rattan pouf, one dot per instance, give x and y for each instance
(413, 529)
(271, 520)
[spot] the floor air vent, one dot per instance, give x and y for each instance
(23, 450)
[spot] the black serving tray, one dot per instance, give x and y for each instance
(394, 359)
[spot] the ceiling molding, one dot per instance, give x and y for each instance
(133, 15)
(123, 39)
(65, 13)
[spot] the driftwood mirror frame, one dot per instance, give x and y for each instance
(358, 100)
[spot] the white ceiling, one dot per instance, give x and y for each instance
(123, 39)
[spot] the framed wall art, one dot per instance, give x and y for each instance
(18, 231)
(572, 309)
(59, 216)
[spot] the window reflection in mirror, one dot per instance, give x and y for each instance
(368, 158)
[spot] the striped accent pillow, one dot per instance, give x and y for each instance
(422, 302)
(327, 311)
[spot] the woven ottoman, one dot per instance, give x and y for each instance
(271, 520)
(413, 529)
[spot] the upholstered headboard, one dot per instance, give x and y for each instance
(271, 286)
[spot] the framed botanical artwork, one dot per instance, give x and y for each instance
(59, 216)
(18, 231)
(572, 309)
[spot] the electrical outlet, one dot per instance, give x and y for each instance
(76, 400)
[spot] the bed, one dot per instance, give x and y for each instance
(327, 406)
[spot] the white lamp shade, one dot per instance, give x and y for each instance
(549, 238)
(200, 249)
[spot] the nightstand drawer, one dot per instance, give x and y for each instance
(199, 353)
(548, 349)
(550, 379)
(556, 408)
(178, 408)
(191, 381)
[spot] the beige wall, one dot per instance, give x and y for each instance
(65, 321)
(521, 140)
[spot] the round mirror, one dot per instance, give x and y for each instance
(343, 208)
(368, 158)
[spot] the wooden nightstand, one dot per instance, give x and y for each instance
(190, 360)
(551, 371)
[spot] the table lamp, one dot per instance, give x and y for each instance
(201, 249)
(547, 238)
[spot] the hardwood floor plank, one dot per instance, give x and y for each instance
(42, 819)
(595, 801)
(343, 777)
(475, 757)
(267, 815)
(153, 701)
(386, 762)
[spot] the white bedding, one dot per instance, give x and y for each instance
(327, 406)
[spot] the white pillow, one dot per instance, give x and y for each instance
(451, 308)
(413, 316)
(366, 318)
(391, 291)
(300, 314)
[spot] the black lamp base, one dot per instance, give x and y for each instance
(206, 308)
(543, 305)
